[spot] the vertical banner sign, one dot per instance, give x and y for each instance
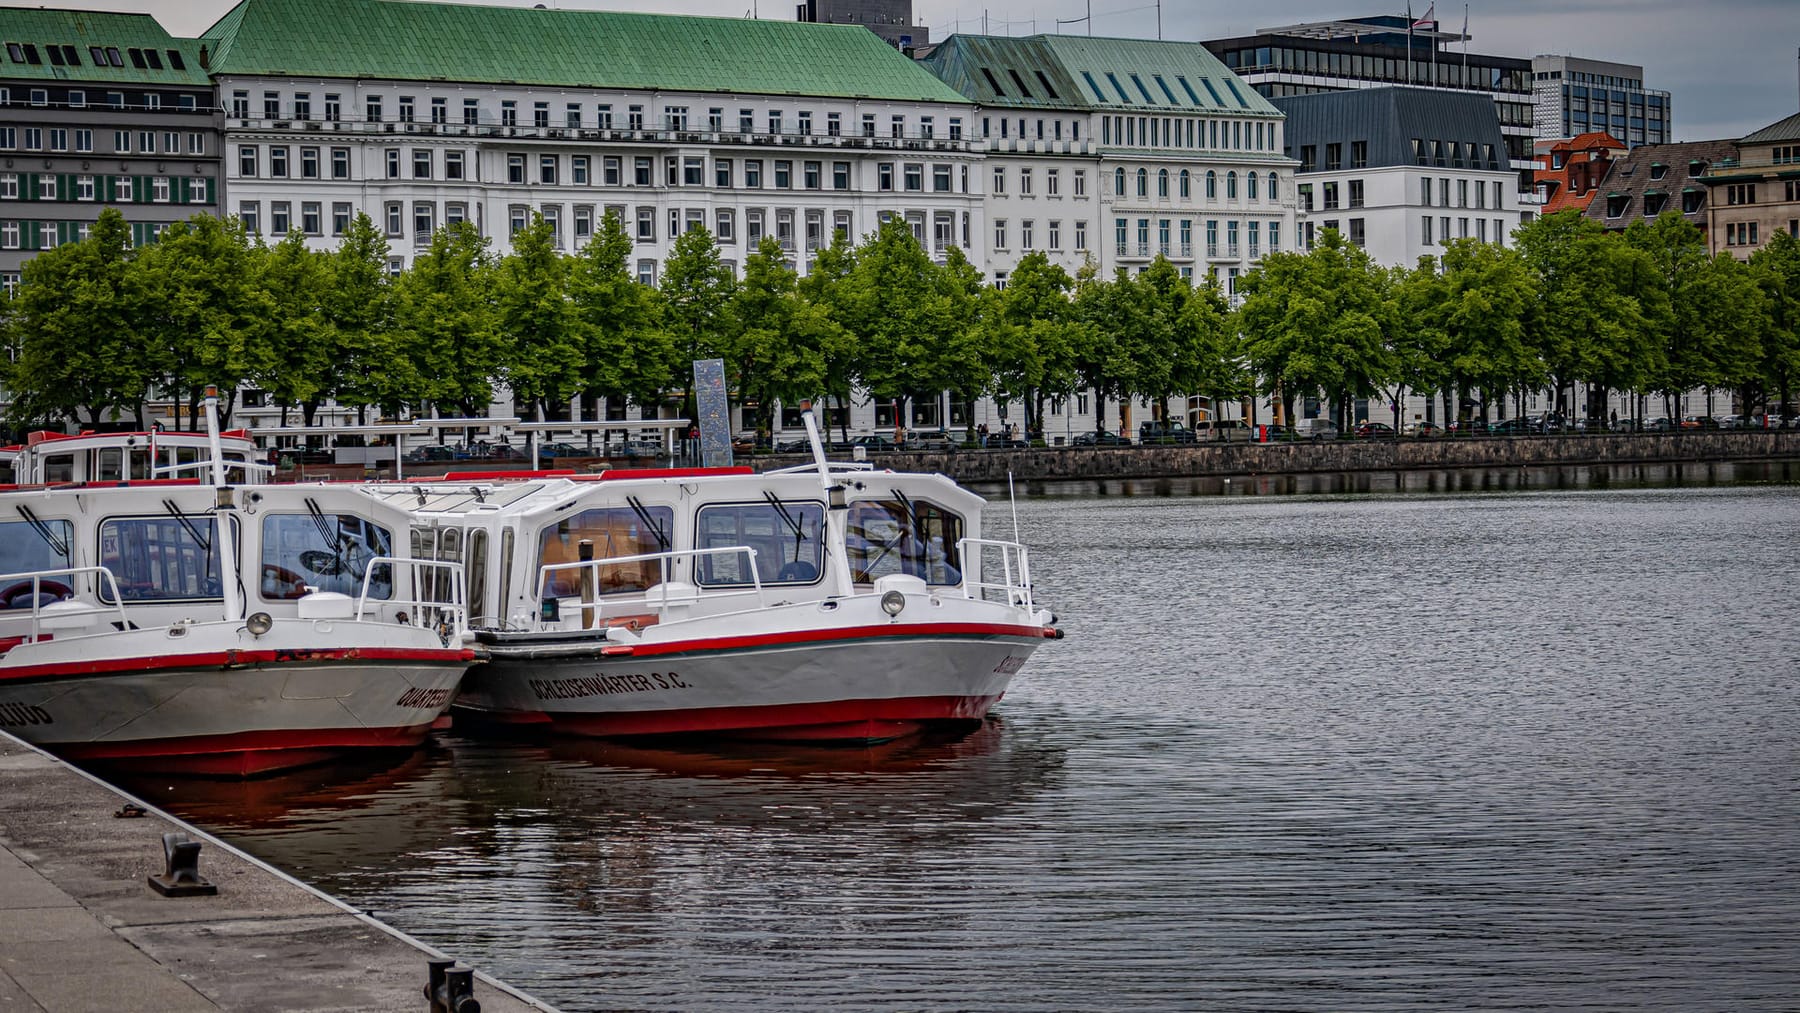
(714, 411)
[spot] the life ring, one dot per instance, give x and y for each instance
(279, 582)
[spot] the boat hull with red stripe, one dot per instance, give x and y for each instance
(213, 698)
(836, 671)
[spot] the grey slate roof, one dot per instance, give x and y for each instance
(1655, 177)
(1782, 130)
(1077, 72)
(1389, 119)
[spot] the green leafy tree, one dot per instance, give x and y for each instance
(777, 354)
(1777, 267)
(826, 288)
(696, 291)
(358, 311)
(626, 352)
(444, 321)
(299, 367)
(205, 311)
(1588, 322)
(536, 321)
(1482, 305)
(74, 331)
(1315, 322)
(886, 305)
(1209, 327)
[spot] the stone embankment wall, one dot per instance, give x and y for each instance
(1077, 463)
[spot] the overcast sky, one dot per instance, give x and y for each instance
(1732, 66)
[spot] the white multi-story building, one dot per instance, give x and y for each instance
(1401, 171)
(1117, 151)
(419, 114)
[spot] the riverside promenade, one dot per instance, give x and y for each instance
(82, 930)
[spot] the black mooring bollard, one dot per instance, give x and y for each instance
(451, 989)
(181, 875)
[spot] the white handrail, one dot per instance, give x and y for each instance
(1018, 592)
(37, 578)
(665, 558)
(427, 612)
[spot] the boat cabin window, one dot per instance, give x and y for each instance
(109, 464)
(59, 468)
(911, 537)
(787, 537)
(171, 558)
(445, 545)
(615, 531)
(33, 546)
(329, 552)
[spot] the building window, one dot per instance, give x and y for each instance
(999, 233)
(249, 212)
(547, 169)
(247, 160)
(340, 218)
(281, 218)
(421, 159)
(309, 218)
(392, 213)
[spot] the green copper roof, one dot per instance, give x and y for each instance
(405, 40)
(41, 44)
(1078, 72)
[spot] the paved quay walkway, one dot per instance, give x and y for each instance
(81, 929)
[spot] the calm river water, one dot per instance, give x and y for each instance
(1505, 750)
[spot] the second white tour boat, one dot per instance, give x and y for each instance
(828, 603)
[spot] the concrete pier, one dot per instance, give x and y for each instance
(81, 928)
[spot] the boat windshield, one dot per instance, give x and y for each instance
(614, 531)
(171, 558)
(328, 552)
(787, 537)
(28, 546)
(903, 536)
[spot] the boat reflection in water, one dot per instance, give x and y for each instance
(514, 851)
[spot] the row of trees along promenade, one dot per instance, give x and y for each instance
(97, 329)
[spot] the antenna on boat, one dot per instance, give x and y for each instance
(1015, 503)
(228, 564)
(837, 517)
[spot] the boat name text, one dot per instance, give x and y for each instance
(605, 685)
(425, 699)
(19, 715)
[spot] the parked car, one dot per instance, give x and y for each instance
(1468, 427)
(1102, 438)
(1222, 429)
(1423, 430)
(1316, 429)
(429, 454)
(555, 450)
(1699, 422)
(1280, 434)
(1518, 425)
(1374, 431)
(929, 439)
(1733, 422)
(874, 442)
(1164, 432)
(1661, 425)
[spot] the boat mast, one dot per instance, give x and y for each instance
(837, 514)
(222, 507)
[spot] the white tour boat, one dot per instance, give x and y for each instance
(132, 632)
(825, 603)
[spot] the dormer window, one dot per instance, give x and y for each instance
(1658, 170)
